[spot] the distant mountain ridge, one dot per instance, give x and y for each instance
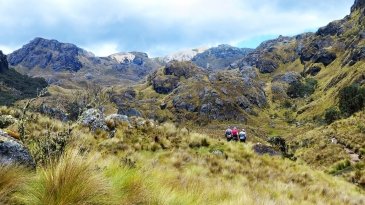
(49, 58)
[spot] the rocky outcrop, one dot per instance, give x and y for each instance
(3, 62)
(288, 78)
(262, 149)
(166, 80)
(359, 4)
(94, 119)
(357, 54)
(220, 57)
(13, 152)
(333, 28)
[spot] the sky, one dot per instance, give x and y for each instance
(160, 27)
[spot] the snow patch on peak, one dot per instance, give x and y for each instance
(123, 57)
(184, 55)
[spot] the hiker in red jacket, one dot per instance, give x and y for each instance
(235, 134)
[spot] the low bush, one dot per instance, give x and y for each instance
(332, 114)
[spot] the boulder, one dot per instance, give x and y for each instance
(13, 152)
(313, 71)
(117, 118)
(324, 57)
(129, 111)
(94, 119)
(262, 149)
(267, 65)
(288, 78)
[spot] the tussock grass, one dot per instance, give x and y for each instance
(71, 180)
(11, 179)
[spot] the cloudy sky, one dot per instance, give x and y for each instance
(159, 27)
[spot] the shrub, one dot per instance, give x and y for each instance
(332, 114)
(352, 99)
(302, 89)
(340, 166)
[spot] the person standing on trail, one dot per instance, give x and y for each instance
(235, 134)
(228, 134)
(242, 136)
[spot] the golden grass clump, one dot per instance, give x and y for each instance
(70, 180)
(11, 179)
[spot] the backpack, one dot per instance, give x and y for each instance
(228, 132)
(242, 135)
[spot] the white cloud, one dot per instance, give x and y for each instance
(161, 26)
(103, 49)
(8, 49)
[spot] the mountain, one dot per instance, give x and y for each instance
(58, 62)
(220, 57)
(15, 86)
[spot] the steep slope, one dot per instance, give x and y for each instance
(58, 62)
(14, 86)
(220, 57)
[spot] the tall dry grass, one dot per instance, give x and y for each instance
(73, 179)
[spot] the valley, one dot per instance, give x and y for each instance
(127, 128)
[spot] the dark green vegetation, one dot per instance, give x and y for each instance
(15, 86)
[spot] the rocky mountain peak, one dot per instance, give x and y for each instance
(3, 62)
(359, 4)
(44, 53)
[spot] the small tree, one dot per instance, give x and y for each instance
(332, 114)
(352, 99)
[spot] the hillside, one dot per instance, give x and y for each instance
(14, 86)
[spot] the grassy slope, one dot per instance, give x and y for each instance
(165, 165)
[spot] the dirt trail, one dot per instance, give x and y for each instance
(354, 157)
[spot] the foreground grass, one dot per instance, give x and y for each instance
(181, 177)
(159, 164)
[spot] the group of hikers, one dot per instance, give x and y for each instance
(235, 135)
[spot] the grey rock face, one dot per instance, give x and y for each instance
(12, 152)
(359, 4)
(3, 62)
(267, 65)
(333, 28)
(44, 53)
(220, 57)
(289, 77)
(324, 57)
(356, 55)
